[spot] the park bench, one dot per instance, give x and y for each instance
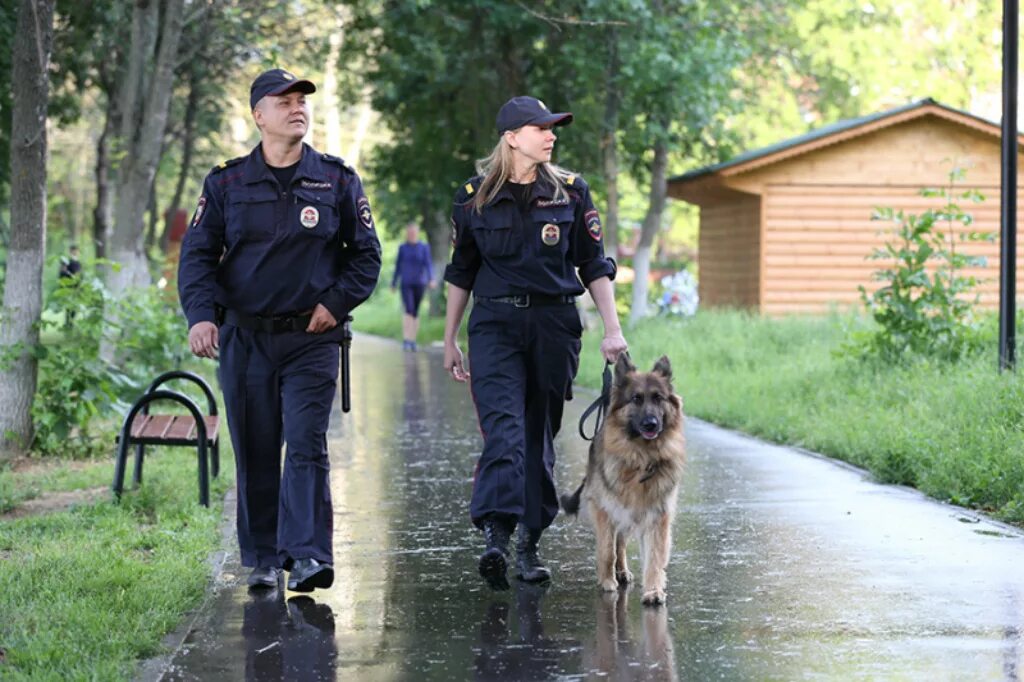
(141, 428)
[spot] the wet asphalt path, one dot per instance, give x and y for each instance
(784, 566)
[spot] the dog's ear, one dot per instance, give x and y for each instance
(663, 367)
(623, 368)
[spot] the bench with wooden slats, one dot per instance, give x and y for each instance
(141, 428)
(171, 429)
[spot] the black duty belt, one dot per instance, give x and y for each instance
(528, 300)
(276, 324)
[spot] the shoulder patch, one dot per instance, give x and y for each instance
(337, 160)
(469, 188)
(227, 164)
(570, 180)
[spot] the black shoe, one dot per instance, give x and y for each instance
(494, 561)
(531, 570)
(264, 577)
(309, 574)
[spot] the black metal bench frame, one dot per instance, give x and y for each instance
(206, 443)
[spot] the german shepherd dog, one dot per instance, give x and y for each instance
(633, 473)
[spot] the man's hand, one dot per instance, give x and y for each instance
(453, 362)
(204, 339)
(321, 321)
(612, 345)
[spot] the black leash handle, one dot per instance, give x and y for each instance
(601, 404)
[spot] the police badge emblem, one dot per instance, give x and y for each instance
(199, 211)
(365, 215)
(593, 221)
(309, 217)
(550, 234)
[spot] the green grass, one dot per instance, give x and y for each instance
(86, 593)
(954, 431)
(54, 476)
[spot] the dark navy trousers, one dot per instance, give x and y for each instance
(279, 388)
(522, 362)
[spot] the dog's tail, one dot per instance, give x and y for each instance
(571, 503)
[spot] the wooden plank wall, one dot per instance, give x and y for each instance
(817, 237)
(729, 248)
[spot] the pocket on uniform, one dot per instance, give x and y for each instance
(313, 214)
(494, 233)
(250, 215)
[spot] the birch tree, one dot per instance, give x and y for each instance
(23, 287)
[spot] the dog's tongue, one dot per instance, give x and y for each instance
(649, 435)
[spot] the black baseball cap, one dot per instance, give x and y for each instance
(522, 111)
(277, 82)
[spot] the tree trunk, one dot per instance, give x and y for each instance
(609, 148)
(188, 147)
(23, 290)
(151, 208)
(101, 215)
(438, 228)
(332, 117)
(144, 119)
(649, 230)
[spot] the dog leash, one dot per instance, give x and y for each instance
(601, 404)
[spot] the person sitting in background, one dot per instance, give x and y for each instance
(416, 271)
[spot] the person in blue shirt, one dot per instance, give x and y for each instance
(415, 269)
(527, 242)
(281, 248)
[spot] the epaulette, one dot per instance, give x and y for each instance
(338, 161)
(469, 187)
(227, 164)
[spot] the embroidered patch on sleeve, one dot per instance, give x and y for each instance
(365, 215)
(199, 211)
(593, 221)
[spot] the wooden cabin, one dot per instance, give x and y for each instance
(787, 228)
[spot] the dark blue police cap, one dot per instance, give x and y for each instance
(276, 82)
(522, 111)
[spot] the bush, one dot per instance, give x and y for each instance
(925, 307)
(78, 391)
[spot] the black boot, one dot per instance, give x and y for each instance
(494, 561)
(531, 569)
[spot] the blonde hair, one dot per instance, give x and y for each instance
(497, 169)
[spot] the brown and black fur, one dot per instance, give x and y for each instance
(632, 480)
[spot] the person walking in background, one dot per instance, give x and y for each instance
(415, 269)
(68, 274)
(70, 266)
(527, 242)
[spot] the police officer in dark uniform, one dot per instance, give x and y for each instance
(280, 250)
(527, 240)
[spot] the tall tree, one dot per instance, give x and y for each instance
(23, 288)
(144, 100)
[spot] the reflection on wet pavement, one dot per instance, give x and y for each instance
(784, 566)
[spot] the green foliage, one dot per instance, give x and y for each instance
(953, 430)
(79, 392)
(924, 307)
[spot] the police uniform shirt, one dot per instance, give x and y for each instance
(505, 251)
(260, 248)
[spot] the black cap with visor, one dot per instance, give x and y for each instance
(523, 111)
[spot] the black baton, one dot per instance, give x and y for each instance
(346, 343)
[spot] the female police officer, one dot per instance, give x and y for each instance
(522, 230)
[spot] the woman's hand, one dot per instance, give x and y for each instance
(453, 362)
(612, 345)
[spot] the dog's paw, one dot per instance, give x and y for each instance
(653, 597)
(609, 585)
(624, 577)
